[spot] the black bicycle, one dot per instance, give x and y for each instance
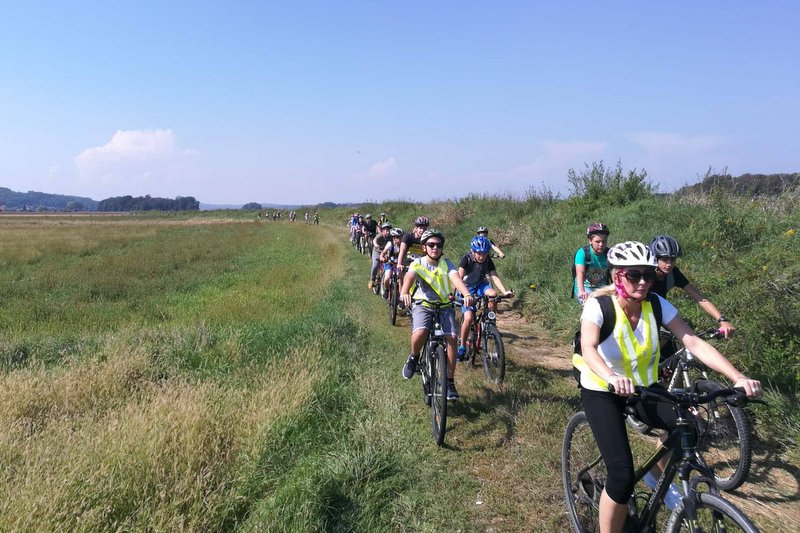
(433, 369)
(584, 472)
(393, 296)
(724, 430)
(484, 339)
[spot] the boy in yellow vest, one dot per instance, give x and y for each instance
(433, 278)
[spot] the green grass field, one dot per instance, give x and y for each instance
(212, 373)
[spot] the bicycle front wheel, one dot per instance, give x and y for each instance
(494, 355)
(393, 296)
(724, 439)
(583, 474)
(714, 514)
(439, 397)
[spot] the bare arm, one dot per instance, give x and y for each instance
(711, 356)
(580, 278)
(590, 340)
(496, 249)
(408, 282)
(458, 282)
(705, 304)
(495, 279)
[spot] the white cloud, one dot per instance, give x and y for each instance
(138, 160)
(670, 144)
(381, 169)
(555, 158)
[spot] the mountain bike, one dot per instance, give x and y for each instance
(484, 339)
(393, 297)
(724, 431)
(584, 473)
(433, 369)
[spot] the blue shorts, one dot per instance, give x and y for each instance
(476, 290)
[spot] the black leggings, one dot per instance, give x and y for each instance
(605, 413)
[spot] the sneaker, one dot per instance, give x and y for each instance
(369, 285)
(410, 367)
(452, 393)
(461, 355)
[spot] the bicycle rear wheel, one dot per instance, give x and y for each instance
(494, 355)
(724, 439)
(438, 386)
(583, 474)
(393, 296)
(714, 514)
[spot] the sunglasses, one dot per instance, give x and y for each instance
(434, 245)
(635, 276)
(668, 258)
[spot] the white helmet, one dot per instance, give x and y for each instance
(631, 253)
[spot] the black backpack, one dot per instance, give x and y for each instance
(587, 256)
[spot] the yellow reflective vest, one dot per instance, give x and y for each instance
(639, 360)
(438, 280)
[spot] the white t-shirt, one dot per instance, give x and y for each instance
(609, 349)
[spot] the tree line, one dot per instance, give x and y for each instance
(148, 203)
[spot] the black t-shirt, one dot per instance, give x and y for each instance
(371, 226)
(663, 285)
(414, 248)
(475, 272)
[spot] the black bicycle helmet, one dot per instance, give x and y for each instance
(665, 246)
(482, 229)
(431, 233)
(422, 221)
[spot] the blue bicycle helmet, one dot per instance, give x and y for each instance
(481, 244)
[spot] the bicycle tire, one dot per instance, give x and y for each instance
(494, 360)
(713, 514)
(472, 356)
(637, 425)
(724, 439)
(582, 495)
(376, 285)
(439, 394)
(425, 375)
(393, 295)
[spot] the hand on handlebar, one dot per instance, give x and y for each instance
(726, 329)
(406, 299)
(468, 300)
(620, 385)
(752, 387)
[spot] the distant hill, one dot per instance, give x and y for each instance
(33, 200)
(745, 185)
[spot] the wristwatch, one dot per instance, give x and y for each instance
(722, 318)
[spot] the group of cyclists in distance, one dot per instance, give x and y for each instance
(429, 279)
(277, 215)
(631, 277)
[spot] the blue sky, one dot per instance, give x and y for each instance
(306, 102)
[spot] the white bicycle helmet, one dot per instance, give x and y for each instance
(631, 253)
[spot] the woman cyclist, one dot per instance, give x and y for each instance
(628, 357)
(378, 243)
(668, 275)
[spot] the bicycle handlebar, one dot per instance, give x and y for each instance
(733, 396)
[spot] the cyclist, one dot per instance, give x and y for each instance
(668, 275)
(484, 231)
(432, 277)
(316, 218)
(305, 217)
(370, 227)
(383, 219)
(378, 243)
(389, 252)
(628, 357)
(590, 266)
(411, 246)
(479, 274)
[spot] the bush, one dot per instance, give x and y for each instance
(610, 186)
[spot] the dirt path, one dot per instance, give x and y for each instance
(771, 497)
